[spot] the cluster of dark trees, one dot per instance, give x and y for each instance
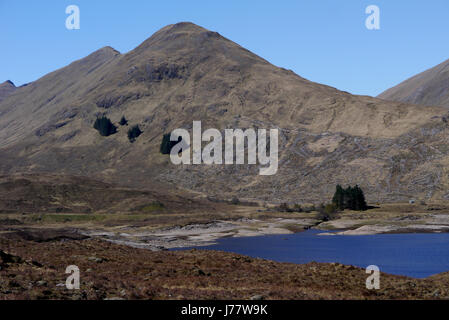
(105, 127)
(350, 198)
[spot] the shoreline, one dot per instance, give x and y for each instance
(200, 235)
(206, 234)
(164, 231)
(406, 224)
(112, 271)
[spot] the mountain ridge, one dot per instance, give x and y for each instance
(430, 88)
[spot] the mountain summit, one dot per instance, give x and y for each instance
(184, 73)
(6, 88)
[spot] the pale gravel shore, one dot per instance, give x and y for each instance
(195, 235)
(379, 229)
(205, 234)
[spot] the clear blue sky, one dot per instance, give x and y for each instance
(322, 40)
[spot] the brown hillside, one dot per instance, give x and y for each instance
(430, 88)
(184, 73)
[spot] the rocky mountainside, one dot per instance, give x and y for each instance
(183, 73)
(430, 88)
(6, 88)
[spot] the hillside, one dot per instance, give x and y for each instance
(183, 73)
(51, 193)
(430, 88)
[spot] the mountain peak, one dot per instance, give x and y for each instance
(184, 26)
(96, 58)
(108, 50)
(105, 52)
(175, 36)
(8, 83)
(6, 88)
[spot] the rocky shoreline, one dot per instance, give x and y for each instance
(142, 234)
(429, 223)
(198, 235)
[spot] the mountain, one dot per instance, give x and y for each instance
(184, 73)
(430, 88)
(6, 88)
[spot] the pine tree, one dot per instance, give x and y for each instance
(360, 203)
(104, 126)
(133, 133)
(350, 198)
(167, 145)
(123, 121)
(339, 197)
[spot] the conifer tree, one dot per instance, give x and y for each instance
(167, 145)
(339, 197)
(360, 203)
(133, 133)
(104, 126)
(123, 121)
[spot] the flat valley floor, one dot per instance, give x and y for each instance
(126, 259)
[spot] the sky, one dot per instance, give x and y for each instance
(325, 41)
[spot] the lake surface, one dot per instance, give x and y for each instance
(415, 255)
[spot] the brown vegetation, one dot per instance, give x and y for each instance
(31, 270)
(183, 73)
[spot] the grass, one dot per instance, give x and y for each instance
(159, 217)
(152, 207)
(155, 214)
(62, 218)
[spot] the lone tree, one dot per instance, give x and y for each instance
(123, 121)
(350, 198)
(104, 126)
(167, 145)
(133, 133)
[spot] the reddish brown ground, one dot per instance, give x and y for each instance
(33, 270)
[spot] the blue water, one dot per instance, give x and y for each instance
(413, 254)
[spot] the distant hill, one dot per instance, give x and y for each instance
(430, 88)
(184, 72)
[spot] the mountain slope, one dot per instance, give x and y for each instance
(184, 73)
(430, 88)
